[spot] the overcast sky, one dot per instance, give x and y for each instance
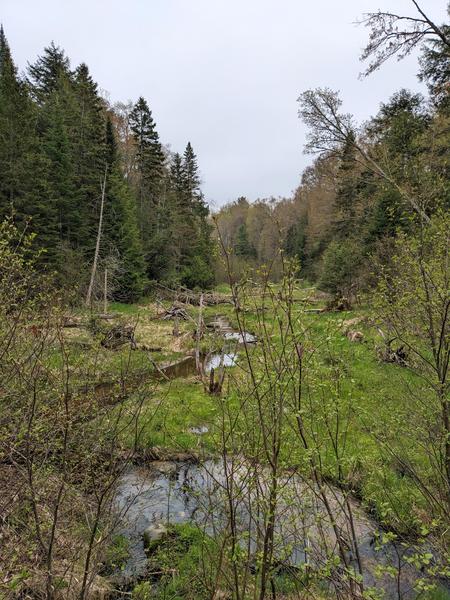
(224, 74)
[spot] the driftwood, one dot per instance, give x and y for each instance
(174, 312)
(199, 334)
(71, 322)
(107, 316)
(147, 348)
(215, 385)
(354, 336)
(388, 354)
(118, 336)
(187, 296)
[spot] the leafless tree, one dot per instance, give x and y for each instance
(397, 35)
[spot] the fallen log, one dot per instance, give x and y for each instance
(187, 296)
(338, 304)
(174, 312)
(71, 322)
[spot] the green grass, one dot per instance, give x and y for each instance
(373, 399)
(182, 563)
(170, 410)
(376, 403)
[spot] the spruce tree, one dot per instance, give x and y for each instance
(243, 247)
(148, 180)
(191, 172)
(46, 72)
(295, 241)
(71, 119)
(192, 227)
(121, 235)
(87, 131)
(23, 167)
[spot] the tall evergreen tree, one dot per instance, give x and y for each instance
(23, 167)
(87, 130)
(149, 159)
(191, 172)
(121, 234)
(243, 247)
(295, 242)
(148, 182)
(191, 227)
(72, 130)
(46, 72)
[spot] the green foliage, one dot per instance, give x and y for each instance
(191, 245)
(121, 234)
(340, 267)
(57, 139)
(20, 289)
(295, 241)
(243, 247)
(116, 554)
(184, 557)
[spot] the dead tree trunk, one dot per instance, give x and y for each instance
(105, 293)
(198, 335)
(97, 245)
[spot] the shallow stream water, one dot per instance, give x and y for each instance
(169, 492)
(174, 493)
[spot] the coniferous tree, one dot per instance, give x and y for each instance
(87, 127)
(53, 166)
(55, 145)
(72, 130)
(121, 233)
(148, 178)
(191, 177)
(243, 247)
(295, 242)
(15, 113)
(23, 167)
(196, 252)
(47, 71)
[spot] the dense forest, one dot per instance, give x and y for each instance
(367, 184)
(61, 144)
(251, 403)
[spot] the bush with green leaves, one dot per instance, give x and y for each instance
(340, 267)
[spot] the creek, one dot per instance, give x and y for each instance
(165, 493)
(169, 492)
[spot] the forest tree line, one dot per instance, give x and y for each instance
(366, 184)
(60, 141)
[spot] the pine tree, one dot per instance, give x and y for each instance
(12, 121)
(190, 172)
(121, 234)
(177, 175)
(23, 167)
(348, 187)
(87, 132)
(295, 242)
(72, 129)
(46, 72)
(192, 229)
(149, 168)
(243, 247)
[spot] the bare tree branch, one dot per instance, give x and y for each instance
(395, 35)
